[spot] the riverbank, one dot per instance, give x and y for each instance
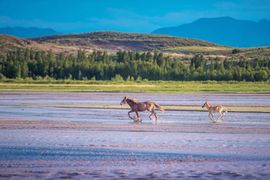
(134, 86)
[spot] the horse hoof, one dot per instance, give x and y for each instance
(137, 122)
(136, 119)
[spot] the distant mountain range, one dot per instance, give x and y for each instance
(29, 32)
(224, 30)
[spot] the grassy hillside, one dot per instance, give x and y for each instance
(10, 43)
(114, 41)
(105, 41)
(123, 41)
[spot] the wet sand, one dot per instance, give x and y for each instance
(53, 142)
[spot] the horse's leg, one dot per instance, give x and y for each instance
(210, 115)
(138, 117)
(154, 121)
(150, 110)
(129, 114)
(223, 113)
(155, 114)
(150, 117)
(220, 116)
(214, 119)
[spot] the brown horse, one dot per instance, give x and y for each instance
(212, 109)
(141, 106)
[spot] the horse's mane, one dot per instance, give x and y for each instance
(132, 100)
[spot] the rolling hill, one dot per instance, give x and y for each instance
(121, 41)
(224, 30)
(114, 41)
(11, 43)
(109, 41)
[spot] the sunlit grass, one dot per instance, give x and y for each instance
(198, 48)
(134, 86)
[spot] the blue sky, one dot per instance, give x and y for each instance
(123, 15)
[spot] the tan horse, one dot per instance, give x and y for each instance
(212, 109)
(141, 106)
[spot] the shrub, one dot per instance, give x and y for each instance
(117, 78)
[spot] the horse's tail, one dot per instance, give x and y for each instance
(159, 107)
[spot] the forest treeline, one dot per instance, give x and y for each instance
(130, 65)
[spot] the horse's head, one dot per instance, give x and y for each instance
(124, 101)
(205, 104)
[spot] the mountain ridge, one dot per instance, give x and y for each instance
(223, 30)
(125, 41)
(107, 41)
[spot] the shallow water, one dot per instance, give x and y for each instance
(183, 145)
(120, 116)
(115, 98)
